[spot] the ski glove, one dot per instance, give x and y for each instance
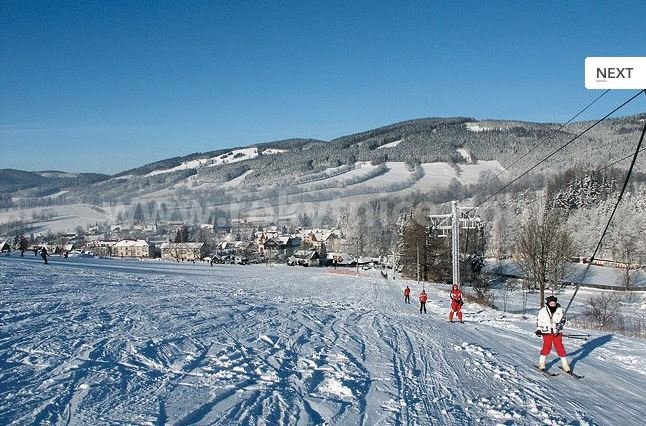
(560, 325)
(539, 333)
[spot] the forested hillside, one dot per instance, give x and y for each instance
(374, 176)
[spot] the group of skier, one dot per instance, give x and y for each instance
(456, 301)
(549, 323)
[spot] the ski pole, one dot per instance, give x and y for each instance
(574, 336)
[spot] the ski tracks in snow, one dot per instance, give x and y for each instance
(230, 345)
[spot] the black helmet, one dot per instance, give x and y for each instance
(549, 299)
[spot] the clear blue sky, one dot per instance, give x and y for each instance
(109, 85)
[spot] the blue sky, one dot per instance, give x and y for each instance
(110, 85)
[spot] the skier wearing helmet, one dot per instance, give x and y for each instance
(456, 303)
(549, 325)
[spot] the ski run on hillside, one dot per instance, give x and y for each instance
(99, 341)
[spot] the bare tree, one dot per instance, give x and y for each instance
(500, 237)
(525, 286)
(543, 248)
(625, 249)
(510, 287)
(603, 309)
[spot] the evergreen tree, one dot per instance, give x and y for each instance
(138, 216)
(23, 244)
(182, 235)
(304, 221)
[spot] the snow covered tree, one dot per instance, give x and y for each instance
(500, 237)
(412, 245)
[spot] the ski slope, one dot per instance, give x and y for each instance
(101, 341)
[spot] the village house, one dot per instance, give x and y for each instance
(280, 246)
(145, 228)
(607, 263)
(262, 237)
(321, 240)
(5, 246)
(133, 248)
(245, 248)
(183, 251)
(340, 259)
(304, 258)
(226, 247)
(101, 247)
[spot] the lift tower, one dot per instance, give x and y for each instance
(459, 218)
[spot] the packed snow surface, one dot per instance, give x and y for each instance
(101, 341)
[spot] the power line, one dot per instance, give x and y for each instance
(561, 148)
(621, 194)
(548, 137)
(617, 161)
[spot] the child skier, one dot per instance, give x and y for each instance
(407, 295)
(456, 303)
(549, 325)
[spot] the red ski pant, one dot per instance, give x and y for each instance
(456, 307)
(553, 339)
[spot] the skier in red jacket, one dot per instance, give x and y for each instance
(423, 297)
(456, 303)
(407, 295)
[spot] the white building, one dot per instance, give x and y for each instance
(101, 247)
(133, 248)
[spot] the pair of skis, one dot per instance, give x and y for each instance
(569, 373)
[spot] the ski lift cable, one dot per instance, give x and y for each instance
(621, 194)
(617, 161)
(553, 153)
(551, 135)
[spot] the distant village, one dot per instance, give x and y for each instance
(244, 242)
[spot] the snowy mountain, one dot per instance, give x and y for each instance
(440, 158)
(100, 341)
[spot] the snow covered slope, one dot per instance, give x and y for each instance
(61, 218)
(97, 341)
(233, 156)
